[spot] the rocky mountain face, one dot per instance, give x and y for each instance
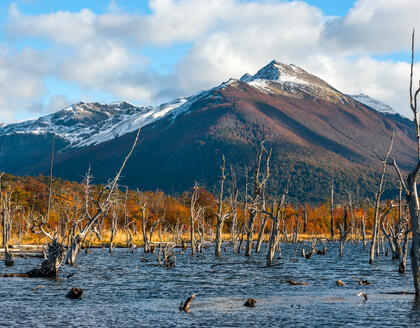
(316, 133)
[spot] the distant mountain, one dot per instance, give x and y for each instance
(315, 131)
(85, 124)
(373, 103)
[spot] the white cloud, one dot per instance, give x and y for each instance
(20, 80)
(100, 53)
(373, 27)
(62, 26)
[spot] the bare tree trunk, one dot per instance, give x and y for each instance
(234, 207)
(378, 196)
(343, 233)
(411, 187)
(305, 219)
(261, 234)
(273, 241)
(102, 207)
(332, 209)
(351, 217)
(274, 234)
(114, 225)
(404, 251)
(221, 214)
(363, 230)
(414, 206)
(258, 188)
(195, 212)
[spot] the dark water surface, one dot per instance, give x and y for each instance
(121, 291)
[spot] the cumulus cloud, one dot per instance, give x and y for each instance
(372, 27)
(21, 82)
(102, 52)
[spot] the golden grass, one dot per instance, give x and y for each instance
(120, 238)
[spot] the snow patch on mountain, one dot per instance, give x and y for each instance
(85, 124)
(291, 80)
(373, 103)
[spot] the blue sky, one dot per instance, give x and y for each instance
(54, 53)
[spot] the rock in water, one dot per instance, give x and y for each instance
(75, 293)
(340, 283)
(250, 302)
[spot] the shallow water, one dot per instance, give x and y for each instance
(121, 291)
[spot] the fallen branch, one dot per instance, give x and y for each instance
(296, 283)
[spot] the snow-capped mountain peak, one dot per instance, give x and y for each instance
(84, 124)
(373, 103)
(291, 80)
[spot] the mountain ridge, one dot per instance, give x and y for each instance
(123, 117)
(316, 132)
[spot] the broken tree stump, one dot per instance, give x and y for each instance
(75, 293)
(340, 283)
(364, 282)
(8, 259)
(250, 302)
(364, 295)
(186, 306)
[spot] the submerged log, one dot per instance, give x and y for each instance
(296, 283)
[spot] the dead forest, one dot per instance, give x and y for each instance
(65, 218)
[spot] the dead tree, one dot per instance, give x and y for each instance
(363, 224)
(274, 233)
(115, 215)
(260, 181)
(332, 209)
(262, 226)
(222, 214)
(411, 195)
(8, 210)
(102, 205)
(397, 234)
(195, 212)
(276, 209)
(233, 199)
(261, 233)
(128, 235)
(352, 223)
(378, 196)
(142, 201)
(344, 232)
(410, 183)
(305, 219)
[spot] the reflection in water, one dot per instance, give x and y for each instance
(121, 291)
